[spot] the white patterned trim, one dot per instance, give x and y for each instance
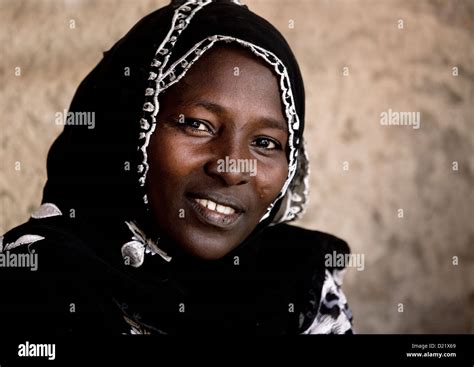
(325, 323)
(27, 239)
(46, 210)
(297, 202)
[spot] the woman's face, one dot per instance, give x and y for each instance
(218, 155)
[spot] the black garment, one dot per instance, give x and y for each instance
(81, 285)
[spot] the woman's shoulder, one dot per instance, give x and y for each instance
(302, 255)
(298, 244)
(50, 277)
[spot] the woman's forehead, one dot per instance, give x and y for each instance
(229, 81)
(231, 59)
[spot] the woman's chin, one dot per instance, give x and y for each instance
(206, 248)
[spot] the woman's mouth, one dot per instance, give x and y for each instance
(215, 212)
(209, 204)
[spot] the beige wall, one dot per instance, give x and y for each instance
(408, 260)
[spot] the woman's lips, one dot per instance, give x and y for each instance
(209, 204)
(213, 213)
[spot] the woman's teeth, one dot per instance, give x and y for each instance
(215, 207)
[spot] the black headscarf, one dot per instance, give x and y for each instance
(100, 173)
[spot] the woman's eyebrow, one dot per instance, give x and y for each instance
(210, 106)
(274, 124)
(268, 122)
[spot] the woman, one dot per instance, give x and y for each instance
(169, 216)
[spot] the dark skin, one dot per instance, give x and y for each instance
(209, 114)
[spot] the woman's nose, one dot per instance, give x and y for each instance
(231, 162)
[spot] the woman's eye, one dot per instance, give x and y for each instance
(267, 143)
(198, 125)
(195, 125)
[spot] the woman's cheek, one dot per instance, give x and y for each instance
(174, 153)
(270, 180)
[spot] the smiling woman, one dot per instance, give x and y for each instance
(143, 229)
(223, 206)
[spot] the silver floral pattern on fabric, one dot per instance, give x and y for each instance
(334, 315)
(26, 239)
(46, 210)
(133, 252)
